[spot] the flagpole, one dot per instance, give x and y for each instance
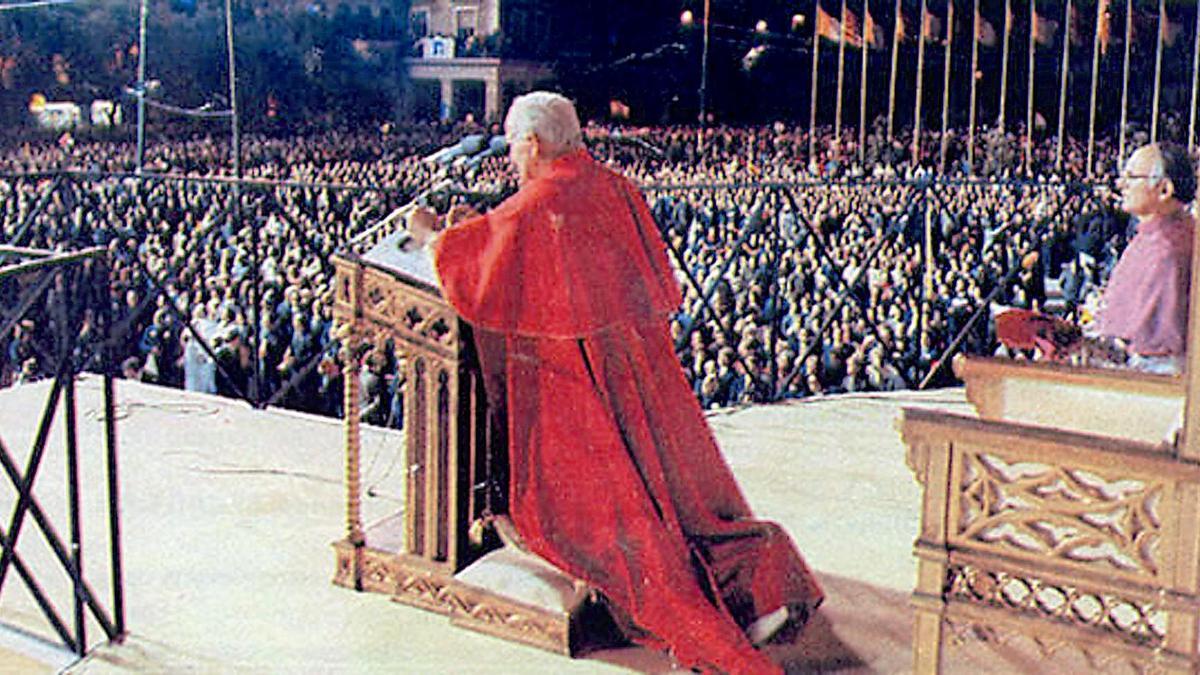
(1029, 89)
(916, 151)
(862, 82)
(1004, 61)
(1162, 19)
(974, 70)
(837, 115)
(897, 24)
(704, 79)
(1125, 82)
(1195, 75)
(1062, 86)
(812, 98)
(946, 83)
(1095, 77)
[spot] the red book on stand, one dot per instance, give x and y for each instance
(1027, 329)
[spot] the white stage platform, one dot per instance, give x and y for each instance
(228, 514)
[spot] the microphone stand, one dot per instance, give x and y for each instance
(420, 199)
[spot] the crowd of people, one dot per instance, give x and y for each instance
(802, 276)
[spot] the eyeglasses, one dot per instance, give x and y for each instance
(1138, 176)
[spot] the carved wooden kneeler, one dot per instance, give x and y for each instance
(453, 461)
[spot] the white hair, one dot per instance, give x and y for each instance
(549, 116)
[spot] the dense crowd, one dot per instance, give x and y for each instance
(802, 276)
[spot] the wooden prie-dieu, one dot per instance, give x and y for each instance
(446, 560)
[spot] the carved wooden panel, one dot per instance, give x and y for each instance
(414, 316)
(1106, 521)
(489, 613)
(412, 580)
(1139, 622)
(1069, 541)
(1068, 655)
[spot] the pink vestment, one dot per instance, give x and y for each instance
(1146, 301)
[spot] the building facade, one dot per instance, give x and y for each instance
(474, 56)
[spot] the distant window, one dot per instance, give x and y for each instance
(466, 20)
(419, 22)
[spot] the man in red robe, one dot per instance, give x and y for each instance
(615, 477)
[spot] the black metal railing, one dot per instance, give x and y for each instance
(50, 286)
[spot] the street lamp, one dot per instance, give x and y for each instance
(687, 19)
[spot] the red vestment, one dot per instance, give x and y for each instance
(615, 476)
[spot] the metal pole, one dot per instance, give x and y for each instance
(1095, 78)
(255, 338)
(141, 88)
(1162, 25)
(233, 102)
(812, 98)
(916, 147)
(1125, 83)
(73, 507)
(1004, 62)
(1029, 89)
(837, 116)
(704, 72)
(862, 81)
(896, 34)
(946, 84)
(1062, 87)
(974, 82)
(1195, 73)
(114, 498)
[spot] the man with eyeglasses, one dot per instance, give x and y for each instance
(1145, 304)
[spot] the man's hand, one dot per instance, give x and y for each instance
(423, 225)
(459, 213)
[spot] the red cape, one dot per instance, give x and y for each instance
(615, 476)
(561, 258)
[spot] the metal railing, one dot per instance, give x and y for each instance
(51, 285)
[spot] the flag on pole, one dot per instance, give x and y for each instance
(1170, 30)
(1043, 29)
(827, 26)
(932, 27)
(1074, 31)
(1104, 26)
(984, 31)
(873, 33)
(901, 27)
(851, 28)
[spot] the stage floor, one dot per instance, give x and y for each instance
(228, 514)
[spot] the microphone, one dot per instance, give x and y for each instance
(617, 137)
(422, 198)
(468, 145)
(497, 145)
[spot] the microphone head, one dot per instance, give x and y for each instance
(471, 144)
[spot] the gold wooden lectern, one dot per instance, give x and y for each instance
(390, 293)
